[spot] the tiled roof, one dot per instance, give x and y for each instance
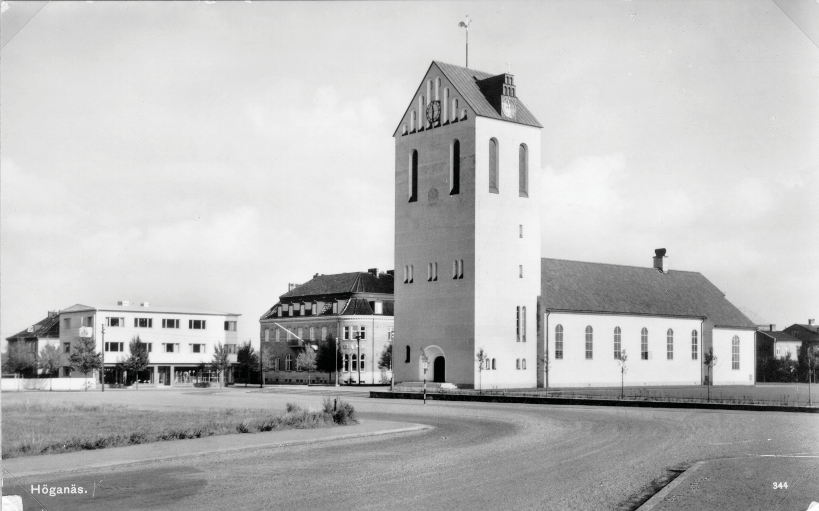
(341, 283)
(780, 336)
(810, 332)
(608, 288)
(48, 328)
(348, 307)
(465, 82)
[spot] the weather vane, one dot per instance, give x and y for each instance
(465, 24)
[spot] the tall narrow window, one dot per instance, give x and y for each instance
(434, 271)
(445, 106)
(288, 363)
(589, 342)
(455, 168)
(429, 272)
(437, 88)
(517, 324)
(408, 355)
(694, 345)
(559, 341)
(422, 108)
(520, 271)
(735, 353)
(355, 362)
(517, 364)
(493, 364)
(523, 364)
(455, 269)
(411, 271)
(404, 130)
(669, 344)
(523, 171)
(454, 113)
(617, 343)
(523, 326)
(493, 165)
(521, 230)
(413, 176)
(278, 335)
(644, 344)
(413, 121)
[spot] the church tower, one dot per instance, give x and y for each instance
(467, 232)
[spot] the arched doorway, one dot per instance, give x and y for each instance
(439, 369)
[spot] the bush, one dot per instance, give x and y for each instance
(293, 407)
(202, 385)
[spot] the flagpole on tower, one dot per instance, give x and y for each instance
(465, 24)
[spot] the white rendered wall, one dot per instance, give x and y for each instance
(499, 252)
(574, 370)
(722, 371)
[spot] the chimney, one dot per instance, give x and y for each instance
(316, 275)
(123, 303)
(52, 314)
(660, 260)
(373, 271)
(292, 286)
(145, 304)
(811, 322)
(772, 327)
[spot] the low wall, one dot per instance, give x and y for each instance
(63, 384)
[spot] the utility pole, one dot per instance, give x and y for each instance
(102, 370)
(336, 361)
(358, 347)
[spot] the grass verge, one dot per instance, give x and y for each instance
(31, 428)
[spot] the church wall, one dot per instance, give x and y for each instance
(723, 372)
(435, 230)
(500, 251)
(603, 370)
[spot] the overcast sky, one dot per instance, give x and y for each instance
(204, 155)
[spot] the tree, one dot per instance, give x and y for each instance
(306, 360)
(481, 359)
(220, 362)
(20, 358)
(623, 369)
(50, 361)
(138, 360)
(328, 359)
(710, 360)
(247, 359)
(385, 362)
(84, 358)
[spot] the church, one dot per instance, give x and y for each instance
(470, 279)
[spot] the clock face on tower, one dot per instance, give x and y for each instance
(508, 107)
(434, 111)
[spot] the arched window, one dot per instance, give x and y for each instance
(735, 353)
(493, 165)
(422, 108)
(589, 342)
(694, 345)
(455, 168)
(288, 363)
(559, 341)
(463, 114)
(517, 324)
(404, 129)
(517, 364)
(429, 90)
(445, 106)
(437, 88)
(413, 121)
(488, 364)
(408, 355)
(354, 360)
(669, 344)
(523, 171)
(413, 176)
(411, 271)
(434, 272)
(617, 343)
(455, 269)
(523, 364)
(523, 328)
(493, 364)
(644, 344)
(454, 112)
(406, 274)
(429, 272)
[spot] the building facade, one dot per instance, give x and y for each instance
(471, 279)
(351, 312)
(35, 337)
(180, 342)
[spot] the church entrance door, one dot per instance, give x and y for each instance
(439, 370)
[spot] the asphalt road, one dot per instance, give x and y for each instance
(478, 456)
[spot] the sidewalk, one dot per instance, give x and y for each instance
(84, 460)
(742, 484)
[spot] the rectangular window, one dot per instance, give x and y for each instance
(589, 343)
(379, 308)
(617, 343)
(231, 349)
(170, 323)
(290, 308)
(669, 344)
(196, 324)
(391, 333)
(149, 346)
(300, 333)
(87, 321)
(521, 230)
(693, 345)
(114, 346)
(66, 347)
(314, 308)
(520, 271)
(169, 347)
(644, 344)
(301, 309)
(230, 326)
(335, 307)
(323, 333)
(278, 335)
(517, 324)
(493, 166)
(67, 323)
(735, 353)
(346, 333)
(197, 348)
(143, 323)
(66, 372)
(312, 333)
(115, 322)
(559, 342)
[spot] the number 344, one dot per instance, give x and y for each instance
(780, 486)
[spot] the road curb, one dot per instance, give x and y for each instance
(591, 402)
(410, 427)
(662, 494)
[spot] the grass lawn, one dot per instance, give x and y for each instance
(38, 427)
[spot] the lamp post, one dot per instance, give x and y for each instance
(102, 370)
(392, 353)
(261, 363)
(358, 348)
(336, 361)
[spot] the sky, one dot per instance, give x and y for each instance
(206, 154)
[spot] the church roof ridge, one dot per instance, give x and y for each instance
(648, 268)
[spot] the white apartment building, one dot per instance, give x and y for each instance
(180, 341)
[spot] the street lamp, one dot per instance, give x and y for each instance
(336, 361)
(358, 348)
